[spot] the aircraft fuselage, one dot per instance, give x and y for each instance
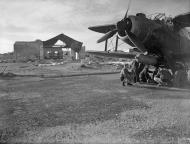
(159, 39)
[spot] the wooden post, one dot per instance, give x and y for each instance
(116, 44)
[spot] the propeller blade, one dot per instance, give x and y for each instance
(113, 54)
(107, 36)
(103, 28)
(129, 4)
(136, 42)
(183, 20)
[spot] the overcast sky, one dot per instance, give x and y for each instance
(28, 20)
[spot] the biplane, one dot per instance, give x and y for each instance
(158, 40)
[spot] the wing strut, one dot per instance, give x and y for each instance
(116, 43)
(106, 45)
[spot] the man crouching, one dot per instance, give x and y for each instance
(127, 75)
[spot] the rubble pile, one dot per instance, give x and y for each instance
(7, 75)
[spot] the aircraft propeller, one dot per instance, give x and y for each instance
(115, 30)
(107, 36)
(129, 4)
(122, 27)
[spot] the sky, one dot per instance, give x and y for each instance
(28, 20)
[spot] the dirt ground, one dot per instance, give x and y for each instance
(31, 69)
(91, 109)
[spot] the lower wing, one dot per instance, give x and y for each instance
(113, 54)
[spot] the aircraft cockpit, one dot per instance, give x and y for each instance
(157, 16)
(161, 18)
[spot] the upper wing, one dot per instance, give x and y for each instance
(182, 20)
(113, 54)
(103, 28)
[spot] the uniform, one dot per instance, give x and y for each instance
(163, 77)
(144, 75)
(180, 78)
(127, 76)
(134, 68)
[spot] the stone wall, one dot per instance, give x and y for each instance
(28, 50)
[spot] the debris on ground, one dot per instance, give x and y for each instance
(9, 74)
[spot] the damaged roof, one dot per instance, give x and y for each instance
(70, 42)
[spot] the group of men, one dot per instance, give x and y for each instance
(139, 72)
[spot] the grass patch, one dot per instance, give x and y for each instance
(91, 110)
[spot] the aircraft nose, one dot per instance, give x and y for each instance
(124, 25)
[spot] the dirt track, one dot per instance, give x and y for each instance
(90, 109)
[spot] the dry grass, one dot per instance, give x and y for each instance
(161, 124)
(95, 109)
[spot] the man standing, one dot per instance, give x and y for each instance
(180, 76)
(134, 68)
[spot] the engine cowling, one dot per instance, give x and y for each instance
(126, 40)
(147, 59)
(139, 25)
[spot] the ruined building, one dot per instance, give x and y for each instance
(53, 48)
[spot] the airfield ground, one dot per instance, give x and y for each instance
(88, 109)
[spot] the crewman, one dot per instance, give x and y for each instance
(134, 68)
(127, 75)
(137, 67)
(163, 77)
(180, 76)
(144, 75)
(155, 72)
